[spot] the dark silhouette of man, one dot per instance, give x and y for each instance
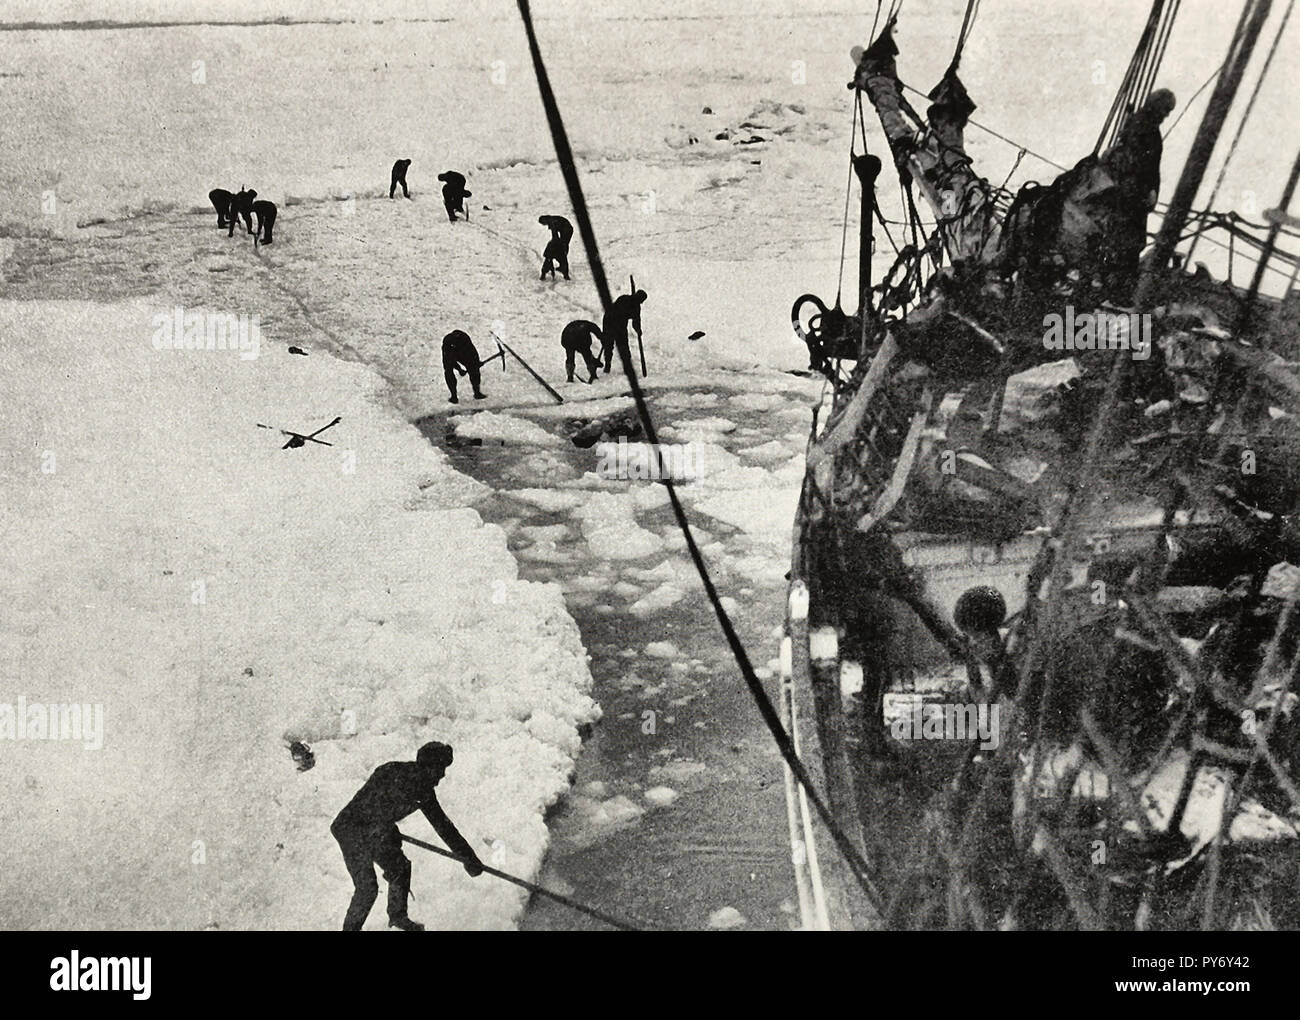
(221, 199)
(460, 355)
(1134, 163)
(624, 312)
(241, 207)
(366, 830)
(576, 339)
(454, 193)
(265, 220)
(399, 177)
(557, 248)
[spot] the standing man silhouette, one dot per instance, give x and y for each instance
(624, 312)
(399, 177)
(366, 830)
(1134, 162)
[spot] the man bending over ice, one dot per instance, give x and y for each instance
(460, 355)
(265, 213)
(556, 254)
(576, 339)
(221, 199)
(366, 830)
(454, 193)
(241, 207)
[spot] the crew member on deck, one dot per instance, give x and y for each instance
(1134, 164)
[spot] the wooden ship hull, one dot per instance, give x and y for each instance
(1094, 552)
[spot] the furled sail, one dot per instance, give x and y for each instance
(931, 151)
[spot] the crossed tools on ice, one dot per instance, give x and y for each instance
(298, 439)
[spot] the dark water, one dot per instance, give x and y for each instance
(723, 841)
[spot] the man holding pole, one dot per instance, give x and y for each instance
(625, 311)
(367, 833)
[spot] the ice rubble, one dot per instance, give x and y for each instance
(503, 427)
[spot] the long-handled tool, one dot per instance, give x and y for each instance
(298, 439)
(538, 890)
(527, 367)
(501, 353)
(639, 347)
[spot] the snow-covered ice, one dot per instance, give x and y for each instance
(768, 452)
(608, 522)
(545, 532)
(678, 773)
(661, 796)
(588, 819)
(727, 917)
(219, 597)
(659, 599)
(503, 427)
(705, 427)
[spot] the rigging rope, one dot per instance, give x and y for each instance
(1161, 46)
(848, 194)
(1142, 69)
(884, 223)
(1151, 67)
(1245, 117)
(967, 24)
(1290, 284)
(1277, 255)
(568, 166)
(988, 130)
(1014, 167)
(1267, 253)
(1204, 85)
